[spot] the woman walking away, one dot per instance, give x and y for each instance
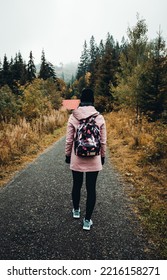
(85, 151)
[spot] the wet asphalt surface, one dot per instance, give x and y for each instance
(36, 221)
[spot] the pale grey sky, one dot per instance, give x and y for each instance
(61, 26)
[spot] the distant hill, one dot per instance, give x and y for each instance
(64, 71)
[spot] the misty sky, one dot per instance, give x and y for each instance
(61, 26)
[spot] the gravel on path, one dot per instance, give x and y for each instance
(36, 220)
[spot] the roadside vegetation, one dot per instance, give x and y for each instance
(23, 141)
(30, 112)
(139, 152)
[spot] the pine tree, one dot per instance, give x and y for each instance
(92, 54)
(51, 71)
(153, 81)
(106, 71)
(31, 69)
(19, 72)
(92, 63)
(101, 49)
(43, 67)
(84, 62)
(6, 73)
(99, 56)
(47, 69)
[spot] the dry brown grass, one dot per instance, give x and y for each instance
(20, 143)
(139, 151)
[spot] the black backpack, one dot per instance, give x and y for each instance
(87, 140)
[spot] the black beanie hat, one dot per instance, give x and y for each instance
(87, 96)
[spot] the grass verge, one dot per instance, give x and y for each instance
(21, 142)
(8, 170)
(139, 151)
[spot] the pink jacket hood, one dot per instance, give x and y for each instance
(85, 112)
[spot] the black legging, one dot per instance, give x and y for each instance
(91, 178)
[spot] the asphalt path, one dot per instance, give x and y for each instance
(36, 220)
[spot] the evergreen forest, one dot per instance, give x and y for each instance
(26, 93)
(130, 74)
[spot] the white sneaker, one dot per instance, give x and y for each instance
(87, 224)
(76, 213)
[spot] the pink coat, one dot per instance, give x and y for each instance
(84, 164)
